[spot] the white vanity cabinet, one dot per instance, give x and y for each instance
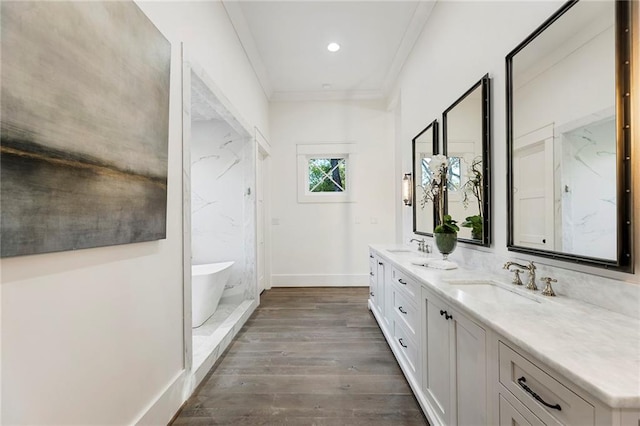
(464, 367)
(454, 380)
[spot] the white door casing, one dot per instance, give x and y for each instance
(263, 217)
(260, 221)
(533, 190)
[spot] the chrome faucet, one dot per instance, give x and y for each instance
(531, 282)
(422, 246)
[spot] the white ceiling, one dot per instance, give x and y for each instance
(286, 42)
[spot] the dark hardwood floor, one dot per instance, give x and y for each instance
(307, 356)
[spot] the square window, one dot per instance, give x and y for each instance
(325, 172)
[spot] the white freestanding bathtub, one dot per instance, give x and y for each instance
(207, 285)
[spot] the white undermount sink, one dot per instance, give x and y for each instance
(400, 250)
(492, 292)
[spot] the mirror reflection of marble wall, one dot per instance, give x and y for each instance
(424, 147)
(564, 136)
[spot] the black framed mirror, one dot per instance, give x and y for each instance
(423, 147)
(466, 140)
(569, 137)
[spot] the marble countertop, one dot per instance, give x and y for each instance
(597, 349)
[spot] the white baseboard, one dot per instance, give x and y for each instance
(327, 280)
(164, 407)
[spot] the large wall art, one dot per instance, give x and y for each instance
(84, 126)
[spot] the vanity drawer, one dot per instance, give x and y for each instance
(406, 312)
(407, 345)
(517, 374)
(408, 285)
(510, 415)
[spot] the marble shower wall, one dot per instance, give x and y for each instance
(221, 219)
(588, 173)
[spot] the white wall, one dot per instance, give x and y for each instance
(96, 336)
(326, 243)
(461, 42)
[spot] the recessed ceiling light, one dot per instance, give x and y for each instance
(333, 47)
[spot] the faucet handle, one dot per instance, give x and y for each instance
(516, 278)
(548, 291)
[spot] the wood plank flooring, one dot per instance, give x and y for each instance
(307, 356)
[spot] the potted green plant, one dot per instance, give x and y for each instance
(446, 235)
(475, 223)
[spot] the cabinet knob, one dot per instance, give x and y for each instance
(380, 263)
(371, 293)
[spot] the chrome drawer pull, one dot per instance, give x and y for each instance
(521, 382)
(402, 343)
(402, 310)
(401, 282)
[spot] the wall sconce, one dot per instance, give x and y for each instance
(407, 189)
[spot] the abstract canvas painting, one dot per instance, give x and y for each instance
(84, 126)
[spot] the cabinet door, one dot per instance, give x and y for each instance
(373, 278)
(470, 371)
(436, 380)
(387, 285)
(380, 296)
